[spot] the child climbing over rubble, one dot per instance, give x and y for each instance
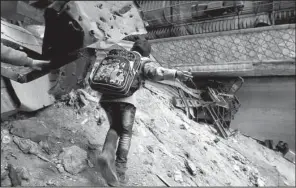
(112, 162)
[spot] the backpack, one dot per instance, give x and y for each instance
(118, 74)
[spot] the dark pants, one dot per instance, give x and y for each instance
(121, 117)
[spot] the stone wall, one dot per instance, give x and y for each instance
(274, 45)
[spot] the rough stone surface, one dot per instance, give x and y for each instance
(4, 172)
(6, 139)
(215, 164)
(30, 129)
(74, 159)
(190, 167)
(178, 176)
(8, 105)
(184, 126)
(60, 168)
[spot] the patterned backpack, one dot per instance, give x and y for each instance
(117, 74)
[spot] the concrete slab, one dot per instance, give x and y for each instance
(8, 105)
(290, 156)
(34, 95)
(21, 74)
(117, 19)
(126, 44)
(3, 84)
(19, 36)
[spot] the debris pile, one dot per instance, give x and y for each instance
(73, 159)
(216, 104)
(59, 145)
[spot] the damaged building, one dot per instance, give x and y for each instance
(227, 46)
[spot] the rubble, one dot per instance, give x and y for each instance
(236, 168)
(30, 129)
(73, 159)
(29, 147)
(4, 172)
(190, 167)
(150, 148)
(170, 174)
(170, 142)
(240, 158)
(84, 121)
(184, 126)
(5, 139)
(178, 176)
(24, 174)
(93, 144)
(216, 140)
(44, 145)
(60, 168)
(88, 96)
(90, 164)
(97, 115)
(4, 132)
(83, 100)
(51, 182)
(260, 182)
(25, 145)
(206, 163)
(163, 180)
(290, 156)
(255, 178)
(15, 176)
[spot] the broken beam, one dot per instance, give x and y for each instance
(21, 74)
(177, 102)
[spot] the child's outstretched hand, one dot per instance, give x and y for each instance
(183, 75)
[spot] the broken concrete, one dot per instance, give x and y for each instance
(290, 156)
(8, 104)
(148, 157)
(116, 19)
(30, 129)
(74, 159)
(20, 36)
(34, 95)
(6, 139)
(15, 177)
(60, 168)
(25, 145)
(178, 176)
(190, 167)
(4, 172)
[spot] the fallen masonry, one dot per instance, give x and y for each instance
(73, 159)
(70, 163)
(60, 144)
(216, 103)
